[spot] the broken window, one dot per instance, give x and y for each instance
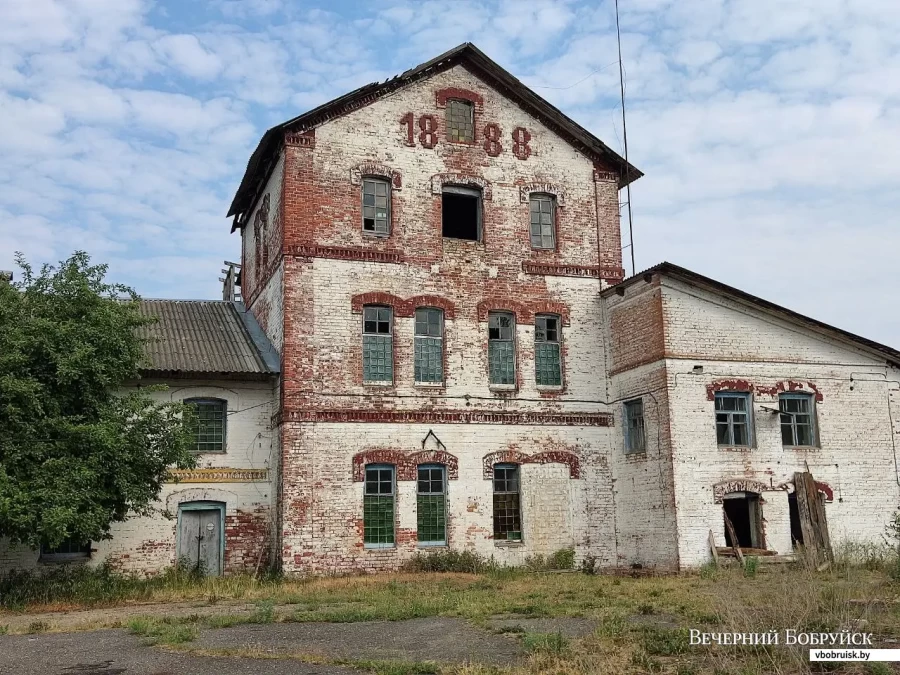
(378, 346)
(209, 427)
(743, 520)
(378, 506)
(733, 418)
(376, 206)
(461, 213)
(460, 121)
(69, 549)
(429, 346)
(431, 505)
(798, 420)
(507, 511)
(634, 426)
(543, 219)
(547, 362)
(501, 348)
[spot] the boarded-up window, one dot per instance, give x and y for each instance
(378, 346)
(507, 503)
(378, 506)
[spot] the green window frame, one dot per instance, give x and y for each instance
(635, 440)
(68, 550)
(428, 346)
(543, 221)
(507, 503)
(460, 121)
(798, 420)
(211, 424)
(502, 348)
(734, 421)
(378, 344)
(431, 505)
(376, 206)
(379, 506)
(547, 352)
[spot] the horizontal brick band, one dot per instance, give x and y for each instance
(341, 253)
(218, 475)
(451, 417)
(612, 274)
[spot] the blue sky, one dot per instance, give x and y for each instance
(769, 130)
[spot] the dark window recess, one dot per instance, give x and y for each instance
(461, 213)
(796, 528)
(743, 511)
(70, 549)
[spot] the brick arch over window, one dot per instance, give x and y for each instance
(377, 170)
(549, 307)
(515, 457)
(521, 310)
(375, 298)
(439, 180)
(441, 96)
(737, 485)
(417, 301)
(525, 192)
(406, 463)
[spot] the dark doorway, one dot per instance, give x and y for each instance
(796, 529)
(461, 213)
(743, 510)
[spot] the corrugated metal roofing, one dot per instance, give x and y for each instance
(204, 336)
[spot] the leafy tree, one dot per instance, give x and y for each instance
(76, 452)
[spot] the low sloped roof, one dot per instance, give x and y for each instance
(205, 337)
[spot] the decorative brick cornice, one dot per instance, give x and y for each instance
(520, 309)
(223, 475)
(527, 418)
(376, 169)
(783, 387)
(342, 253)
(441, 96)
(525, 192)
(610, 274)
(406, 463)
(516, 457)
(438, 181)
(305, 139)
(738, 485)
(604, 176)
(402, 308)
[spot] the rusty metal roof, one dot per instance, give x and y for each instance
(205, 337)
(262, 160)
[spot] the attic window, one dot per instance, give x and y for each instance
(460, 121)
(461, 213)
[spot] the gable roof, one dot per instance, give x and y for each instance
(205, 337)
(683, 274)
(466, 54)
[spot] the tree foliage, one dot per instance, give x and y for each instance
(77, 453)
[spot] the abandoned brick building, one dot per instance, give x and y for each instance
(444, 353)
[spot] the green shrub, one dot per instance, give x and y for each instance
(659, 641)
(751, 566)
(450, 561)
(555, 644)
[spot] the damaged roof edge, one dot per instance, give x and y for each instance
(678, 272)
(528, 99)
(267, 352)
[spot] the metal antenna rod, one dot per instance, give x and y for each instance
(625, 139)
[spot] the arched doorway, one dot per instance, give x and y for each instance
(200, 541)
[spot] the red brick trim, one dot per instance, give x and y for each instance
(783, 387)
(826, 490)
(516, 457)
(406, 463)
(439, 180)
(724, 487)
(441, 96)
(521, 310)
(557, 191)
(305, 139)
(375, 169)
(342, 253)
(413, 303)
(609, 274)
(376, 298)
(603, 175)
(549, 307)
(594, 419)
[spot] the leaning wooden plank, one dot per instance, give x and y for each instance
(734, 540)
(712, 548)
(806, 518)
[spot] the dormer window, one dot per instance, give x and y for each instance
(460, 121)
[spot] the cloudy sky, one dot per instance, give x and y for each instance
(768, 130)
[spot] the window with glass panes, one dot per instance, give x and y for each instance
(378, 347)
(209, 426)
(543, 214)
(378, 506)
(501, 348)
(460, 121)
(798, 419)
(376, 206)
(429, 346)
(547, 364)
(733, 418)
(69, 549)
(634, 426)
(431, 505)
(507, 507)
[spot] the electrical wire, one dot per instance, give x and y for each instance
(625, 140)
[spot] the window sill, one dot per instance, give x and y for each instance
(551, 388)
(430, 385)
(636, 454)
(801, 448)
(378, 384)
(379, 547)
(503, 387)
(735, 448)
(433, 545)
(509, 543)
(64, 560)
(376, 235)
